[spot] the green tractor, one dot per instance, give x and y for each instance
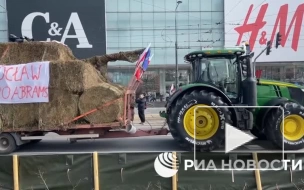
(226, 77)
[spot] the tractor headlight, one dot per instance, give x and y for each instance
(302, 90)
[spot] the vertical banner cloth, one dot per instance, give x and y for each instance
(24, 83)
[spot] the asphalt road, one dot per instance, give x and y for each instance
(127, 145)
(51, 145)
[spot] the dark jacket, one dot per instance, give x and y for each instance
(141, 103)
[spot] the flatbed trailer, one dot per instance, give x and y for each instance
(11, 139)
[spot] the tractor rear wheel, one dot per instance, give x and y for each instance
(258, 133)
(289, 131)
(199, 111)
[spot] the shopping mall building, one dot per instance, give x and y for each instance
(122, 25)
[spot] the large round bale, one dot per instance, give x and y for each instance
(61, 108)
(120, 87)
(97, 96)
(17, 116)
(26, 52)
(74, 76)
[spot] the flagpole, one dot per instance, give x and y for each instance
(176, 57)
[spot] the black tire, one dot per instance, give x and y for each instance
(273, 122)
(7, 143)
(184, 103)
(258, 133)
(35, 141)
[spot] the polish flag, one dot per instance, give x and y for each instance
(172, 89)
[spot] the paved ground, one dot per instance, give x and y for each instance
(125, 145)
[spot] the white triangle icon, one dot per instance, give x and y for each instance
(235, 138)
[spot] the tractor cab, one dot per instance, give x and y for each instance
(220, 72)
(224, 69)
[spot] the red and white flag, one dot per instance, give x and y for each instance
(172, 89)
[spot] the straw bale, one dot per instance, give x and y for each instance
(14, 116)
(74, 76)
(61, 108)
(120, 87)
(101, 62)
(97, 96)
(27, 52)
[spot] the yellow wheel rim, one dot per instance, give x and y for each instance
(206, 122)
(293, 127)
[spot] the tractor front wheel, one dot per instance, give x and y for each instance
(198, 120)
(288, 132)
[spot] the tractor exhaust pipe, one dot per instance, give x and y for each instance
(250, 85)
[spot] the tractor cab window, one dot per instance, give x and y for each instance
(219, 72)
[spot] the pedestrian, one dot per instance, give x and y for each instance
(141, 102)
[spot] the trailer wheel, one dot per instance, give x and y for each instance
(292, 134)
(7, 143)
(210, 121)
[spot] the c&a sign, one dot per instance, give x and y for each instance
(76, 23)
(258, 21)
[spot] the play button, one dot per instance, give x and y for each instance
(235, 138)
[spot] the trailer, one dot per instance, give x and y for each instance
(11, 139)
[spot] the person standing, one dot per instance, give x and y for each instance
(141, 102)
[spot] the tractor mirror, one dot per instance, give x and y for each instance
(251, 54)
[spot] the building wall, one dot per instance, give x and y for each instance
(133, 24)
(289, 71)
(3, 21)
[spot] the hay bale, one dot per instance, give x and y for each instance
(100, 63)
(74, 76)
(62, 107)
(27, 52)
(16, 116)
(120, 87)
(97, 96)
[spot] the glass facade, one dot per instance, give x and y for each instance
(293, 73)
(3, 21)
(133, 24)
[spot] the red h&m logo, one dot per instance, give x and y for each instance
(281, 22)
(258, 73)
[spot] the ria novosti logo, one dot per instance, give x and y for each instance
(167, 165)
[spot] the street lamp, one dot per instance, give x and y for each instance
(176, 61)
